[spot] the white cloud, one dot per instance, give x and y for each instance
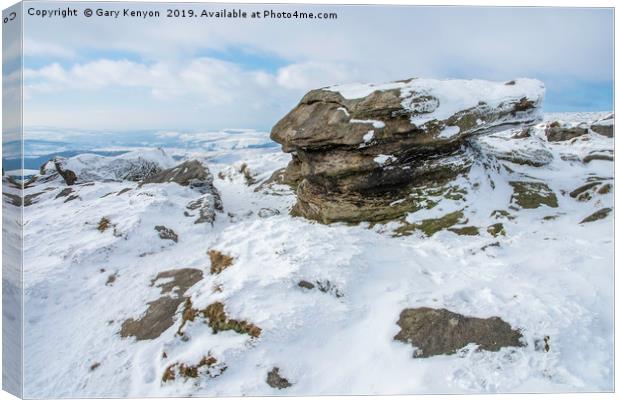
(207, 91)
(308, 75)
(213, 80)
(166, 78)
(38, 48)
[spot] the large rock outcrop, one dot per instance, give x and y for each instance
(198, 177)
(131, 166)
(358, 150)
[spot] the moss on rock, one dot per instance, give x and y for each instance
(496, 229)
(431, 226)
(532, 195)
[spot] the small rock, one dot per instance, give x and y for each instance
(268, 212)
(305, 285)
(208, 205)
(497, 229)
(465, 231)
(111, 279)
(542, 344)
(125, 190)
(600, 214)
(592, 156)
(64, 193)
(167, 233)
(276, 381)
(71, 198)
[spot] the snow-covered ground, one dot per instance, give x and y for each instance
(548, 276)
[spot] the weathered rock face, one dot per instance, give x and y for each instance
(604, 126)
(53, 169)
(359, 148)
(439, 331)
(557, 132)
(198, 177)
(131, 166)
(189, 173)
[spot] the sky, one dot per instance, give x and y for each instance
(166, 73)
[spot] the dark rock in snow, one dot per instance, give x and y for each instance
(159, 315)
(557, 132)
(69, 176)
(166, 233)
(276, 381)
(604, 126)
(600, 214)
(268, 212)
(207, 206)
(195, 175)
(189, 173)
(64, 193)
(305, 285)
(439, 331)
(532, 195)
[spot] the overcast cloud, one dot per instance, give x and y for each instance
(211, 74)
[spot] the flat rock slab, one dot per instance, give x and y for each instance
(159, 316)
(439, 331)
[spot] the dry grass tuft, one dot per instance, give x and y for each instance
(219, 261)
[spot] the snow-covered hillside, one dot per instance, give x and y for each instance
(312, 308)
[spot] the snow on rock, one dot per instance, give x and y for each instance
(504, 145)
(377, 124)
(421, 126)
(382, 159)
(604, 126)
(130, 166)
(449, 132)
(439, 99)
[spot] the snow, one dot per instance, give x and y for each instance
(368, 136)
(18, 172)
(453, 95)
(547, 277)
(382, 159)
(459, 94)
(449, 132)
(376, 123)
(358, 90)
(96, 167)
(606, 122)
